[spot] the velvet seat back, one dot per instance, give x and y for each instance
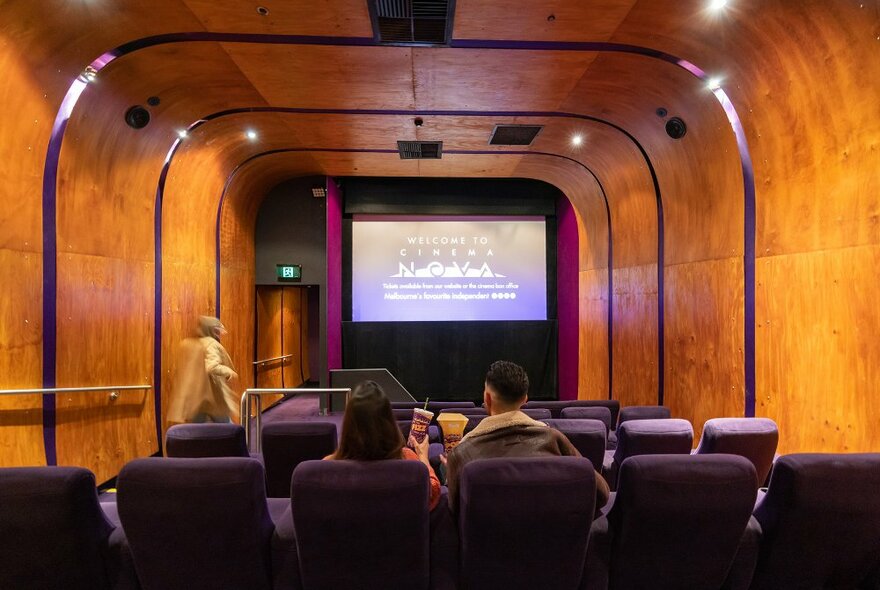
(587, 436)
(524, 522)
(196, 524)
(600, 413)
(649, 437)
(205, 440)
(821, 522)
(287, 444)
(556, 407)
(537, 413)
(362, 524)
(677, 520)
(54, 534)
(753, 438)
(643, 413)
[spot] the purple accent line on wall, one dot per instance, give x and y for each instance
(334, 275)
(567, 298)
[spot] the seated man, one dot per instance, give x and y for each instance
(507, 432)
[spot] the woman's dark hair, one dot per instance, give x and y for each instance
(369, 430)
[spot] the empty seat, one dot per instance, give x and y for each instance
(648, 437)
(205, 440)
(466, 411)
(54, 533)
(537, 413)
(643, 413)
(556, 407)
(677, 522)
(518, 512)
(752, 438)
(437, 407)
(600, 413)
(821, 522)
(587, 436)
(406, 405)
(402, 414)
(196, 524)
(287, 444)
(361, 525)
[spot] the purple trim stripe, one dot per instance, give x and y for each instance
(334, 275)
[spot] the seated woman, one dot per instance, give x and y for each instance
(370, 433)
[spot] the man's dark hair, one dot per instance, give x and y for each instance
(508, 380)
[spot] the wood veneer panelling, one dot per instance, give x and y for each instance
(817, 345)
(634, 361)
(704, 355)
(593, 369)
(294, 310)
(112, 347)
(21, 420)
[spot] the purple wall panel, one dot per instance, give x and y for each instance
(334, 275)
(567, 296)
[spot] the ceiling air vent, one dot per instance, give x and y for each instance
(514, 134)
(412, 22)
(420, 150)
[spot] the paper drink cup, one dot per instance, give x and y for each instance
(452, 425)
(420, 421)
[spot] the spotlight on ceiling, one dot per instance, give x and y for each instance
(577, 140)
(717, 4)
(714, 83)
(182, 134)
(89, 74)
(319, 192)
(251, 134)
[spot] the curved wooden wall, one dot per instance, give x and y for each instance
(810, 120)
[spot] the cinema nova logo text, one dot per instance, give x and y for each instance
(438, 270)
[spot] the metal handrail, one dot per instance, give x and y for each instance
(277, 358)
(56, 390)
(257, 393)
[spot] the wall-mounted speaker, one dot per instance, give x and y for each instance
(676, 128)
(137, 117)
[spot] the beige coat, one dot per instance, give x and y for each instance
(221, 375)
(191, 392)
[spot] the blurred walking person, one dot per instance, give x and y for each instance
(203, 384)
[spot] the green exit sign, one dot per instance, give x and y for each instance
(289, 272)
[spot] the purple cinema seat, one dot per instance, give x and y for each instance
(643, 413)
(404, 426)
(54, 533)
(465, 411)
(402, 414)
(556, 407)
(600, 413)
(524, 522)
(752, 438)
(438, 407)
(670, 436)
(677, 522)
(205, 440)
(361, 524)
(406, 405)
(537, 413)
(821, 522)
(587, 436)
(287, 444)
(196, 524)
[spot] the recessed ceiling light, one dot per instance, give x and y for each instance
(89, 74)
(182, 134)
(714, 83)
(251, 134)
(717, 4)
(577, 140)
